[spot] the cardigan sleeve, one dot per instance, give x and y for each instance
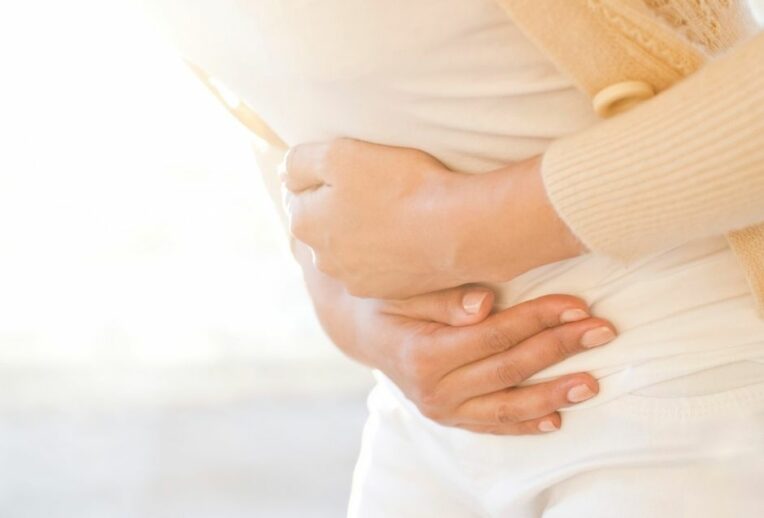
(684, 165)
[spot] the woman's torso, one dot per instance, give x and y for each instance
(457, 79)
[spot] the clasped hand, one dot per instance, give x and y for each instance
(392, 222)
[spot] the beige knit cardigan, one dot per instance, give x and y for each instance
(688, 163)
(684, 165)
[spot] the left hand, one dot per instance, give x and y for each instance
(392, 222)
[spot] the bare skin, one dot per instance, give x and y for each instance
(392, 222)
(461, 364)
(376, 222)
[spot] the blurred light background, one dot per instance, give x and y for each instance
(158, 356)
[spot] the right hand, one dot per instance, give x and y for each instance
(462, 366)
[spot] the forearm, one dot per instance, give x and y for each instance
(507, 224)
(685, 165)
(392, 223)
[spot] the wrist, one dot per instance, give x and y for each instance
(540, 235)
(507, 224)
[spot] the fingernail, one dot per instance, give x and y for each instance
(580, 393)
(473, 301)
(596, 337)
(547, 426)
(573, 315)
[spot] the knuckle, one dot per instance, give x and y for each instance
(497, 340)
(510, 373)
(506, 414)
(544, 312)
(548, 307)
(432, 405)
(417, 364)
(559, 344)
(555, 300)
(429, 400)
(443, 304)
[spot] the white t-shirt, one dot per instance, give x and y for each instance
(457, 79)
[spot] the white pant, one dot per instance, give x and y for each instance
(634, 457)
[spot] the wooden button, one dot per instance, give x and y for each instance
(619, 97)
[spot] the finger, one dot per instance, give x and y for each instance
(541, 425)
(301, 168)
(460, 306)
(517, 405)
(510, 327)
(512, 367)
(305, 214)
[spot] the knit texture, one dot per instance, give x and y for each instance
(685, 165)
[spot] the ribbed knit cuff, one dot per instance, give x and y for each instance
(685, 165)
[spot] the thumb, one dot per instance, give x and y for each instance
(460, 306)
(300, 169)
